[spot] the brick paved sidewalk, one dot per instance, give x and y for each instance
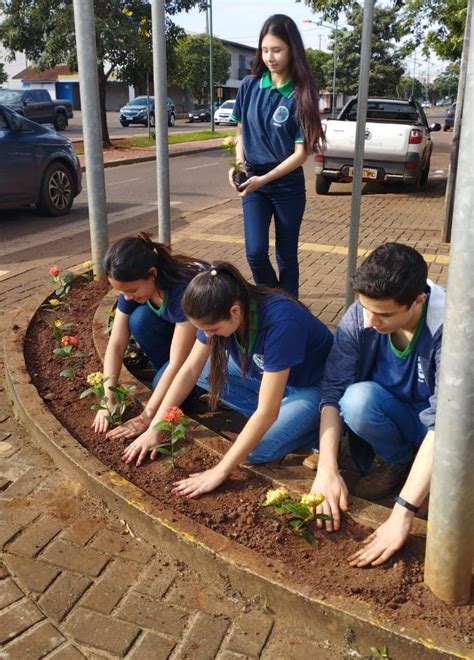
(75, 581)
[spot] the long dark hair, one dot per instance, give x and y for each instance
(209, 297)
(284, 28)
(132, 258)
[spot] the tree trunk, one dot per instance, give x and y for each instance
(106, 142)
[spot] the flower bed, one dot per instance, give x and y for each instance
(394, 592)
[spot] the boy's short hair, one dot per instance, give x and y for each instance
(392, 270)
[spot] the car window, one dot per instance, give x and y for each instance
(10, 95)
(42, 95)
(378, 110)
(228, 105)
(139, 100)
(31, 97)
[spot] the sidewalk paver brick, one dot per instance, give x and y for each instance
(18, 618)
(204, 638)
(122, 546)
(101, 632)
(63, 595)
(113, 585)
(30, 542)
(34, 644)
(82, 530)
(157, 579)
(88, 561)
(150, 613)
(68, 652)
(9, 593)
(32, 574)
(153, 647)
(249, 633)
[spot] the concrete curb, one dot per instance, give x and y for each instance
(201, 548)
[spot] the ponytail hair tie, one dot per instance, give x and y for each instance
(213, 272)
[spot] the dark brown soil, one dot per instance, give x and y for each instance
(395, 590)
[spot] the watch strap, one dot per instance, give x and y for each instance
(411, 507)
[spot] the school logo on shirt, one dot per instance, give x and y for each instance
(258, 359)
(281, 114)
(420, 372)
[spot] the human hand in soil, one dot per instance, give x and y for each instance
(251, 185)
(385, 541)
(334, 489)
(199, 483)
(130, 429)
(101, 422)
(139, 448)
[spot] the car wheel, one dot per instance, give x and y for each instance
(57, 190)
(152, 120)
(171, 119)
(60, 122)
(322, 184)
(125, 124)
(425, 173)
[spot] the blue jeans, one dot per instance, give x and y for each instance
(381, 425)
(297, 425)
(285, 200)
(152, 333)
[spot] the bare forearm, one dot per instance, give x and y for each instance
(417, 485)
(112, 366)
(330, 428)
(288, 165)
(160, 390)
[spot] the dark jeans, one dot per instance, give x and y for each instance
(285, 200)
(152, 333)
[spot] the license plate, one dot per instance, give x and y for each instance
(367, 173)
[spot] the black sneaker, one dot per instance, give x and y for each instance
(384, 480)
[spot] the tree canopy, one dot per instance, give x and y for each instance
(44, 31)
(318, 61)
(3, 74)
(192, 64)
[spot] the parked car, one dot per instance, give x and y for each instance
(37, 105)
(398, 144)
(136, 111)
(37, 165)
(200, 113)
(449, 118)
(223, 113)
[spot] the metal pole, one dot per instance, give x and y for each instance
(334, 75)
(84, 22)
(362, 95)
(148, 101)
(161, 120)
(450, 540)
(211, 66)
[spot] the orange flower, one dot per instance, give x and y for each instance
(53, 271)
(174, 415)
(67, 340)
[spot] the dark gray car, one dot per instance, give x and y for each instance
(37, 166)
(136, 111)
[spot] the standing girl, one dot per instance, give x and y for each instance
(278, 126)
(151, 282)
(267, 354)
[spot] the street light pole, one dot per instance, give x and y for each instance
(211, 66)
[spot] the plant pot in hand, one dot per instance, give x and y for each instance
(239, 178)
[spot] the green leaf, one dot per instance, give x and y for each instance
(162, 426)
(86, 393)
(323, 516)
(308, 536)
(295, 523)
(66, 373)
(162, 450)
(297, 509)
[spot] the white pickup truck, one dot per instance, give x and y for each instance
(397, 147)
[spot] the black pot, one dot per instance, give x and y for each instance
(239, 178)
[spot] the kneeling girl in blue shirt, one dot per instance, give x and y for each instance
(151, 282)
(278, 126)
(260, 352)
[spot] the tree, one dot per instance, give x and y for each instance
(386, 58)
(3, 74)
(417, 18)
(192, 64)
(44, 31)
(445, 85)
(409, 86)
(317, 60)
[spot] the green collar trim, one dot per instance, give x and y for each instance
(159, 311)
(253, 328)
(286, 89)
(408, 349)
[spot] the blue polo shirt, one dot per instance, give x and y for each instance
(285, 336)
(268, 119)
(170, 309)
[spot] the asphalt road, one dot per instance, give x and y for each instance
(196, 182)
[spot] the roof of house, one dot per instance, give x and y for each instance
(49, 75)
(237, 45)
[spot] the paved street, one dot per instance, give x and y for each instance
(74, 582)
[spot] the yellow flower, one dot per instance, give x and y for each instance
(229, 141)
(58, 324)
(95, 379)
(87, 264)
(276, 496)
(312, 499)
(54, 302)
(127, 12)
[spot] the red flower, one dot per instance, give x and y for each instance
(174, 415)
(67, 340)
(53, 271)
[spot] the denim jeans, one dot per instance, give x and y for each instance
(381, 425)
(297, 426)
(285, 200)
(152, 333)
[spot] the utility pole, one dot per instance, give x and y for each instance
(211, 63)
(84, 23)
(362, 97)
(161, 120)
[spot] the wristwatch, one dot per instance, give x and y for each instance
(411, 507)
